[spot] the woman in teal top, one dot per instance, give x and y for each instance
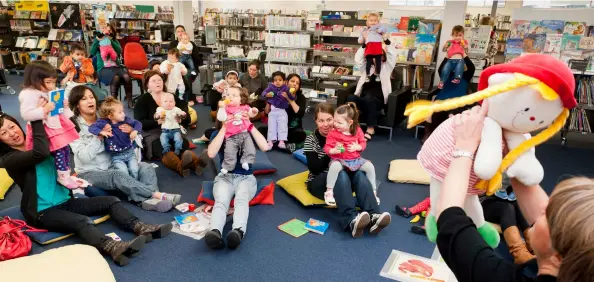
(49, 205)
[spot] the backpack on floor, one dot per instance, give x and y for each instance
(13, 241)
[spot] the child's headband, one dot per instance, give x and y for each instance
(232, 72)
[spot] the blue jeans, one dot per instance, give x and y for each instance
(346, 184)
(167, 135)
(188, 61)
(456, 65)
(126, 162)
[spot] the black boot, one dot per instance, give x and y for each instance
(234, 238)
(214, 239)
(152, 231)
(121, 251)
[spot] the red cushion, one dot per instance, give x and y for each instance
(135, 56)
(264, 194)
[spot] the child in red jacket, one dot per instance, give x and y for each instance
(344, 145)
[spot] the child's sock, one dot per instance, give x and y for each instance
(377, 78)
(224, 171)
(329, 197)
(281, 144)
(245, 166)
(367, 79)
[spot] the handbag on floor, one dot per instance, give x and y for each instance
(13, 241)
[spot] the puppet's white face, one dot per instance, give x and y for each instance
(521, 110)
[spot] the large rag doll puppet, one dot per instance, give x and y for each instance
(527, 94)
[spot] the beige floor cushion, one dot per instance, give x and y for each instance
(70, 263)
(408, 171)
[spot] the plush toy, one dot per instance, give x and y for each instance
(529, 93)
(108, 54)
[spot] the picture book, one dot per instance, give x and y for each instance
(398, 39)
(411, 54)
(534, 43)
(55, 51)
(31, 42)
(53, 60)
(316, 226)
(401, 55)
(570, 42)
(553, 26)
(413, 24)
(535, 27)
(392, 24)
(293, 227)
(20, 43)
(113, 236)
(42, 44)
(587, 43)
(57, 96)
(53, 34)
(574, 28)
(403, 26)
(514, 47)
(590, 30)
(429, 26)
(519, 29)
(402, 266)
(186, 218)
(553, 44)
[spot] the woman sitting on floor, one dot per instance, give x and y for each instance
(145, 110)
(48, 205)
(295, 112)
(92, 162)
(239, 183)
(561, 234)
(347, 182)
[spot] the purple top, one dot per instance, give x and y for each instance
(120, 141)
(277, 100)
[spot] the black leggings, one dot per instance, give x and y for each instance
(505, 213)
(378, 64)
(73, 215)
(119, 80)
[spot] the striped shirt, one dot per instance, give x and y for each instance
(436, 154)
(312, 144)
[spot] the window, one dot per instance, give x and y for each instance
(486, 3)
(418, 3)
(557, 3)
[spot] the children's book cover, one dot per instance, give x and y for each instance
(553, 26)
(293, 227)
(535, 27)
(590, 31)
(403, 26)
(570, 42)
(401, 55)
(398, 39)
(519, 29)
(57, 97)
(534, 43)
(574, 28)
(587, 43)
(402, 266)
(186, 218)
(413, 24)
(514, 47)
(553, 44)
(316, 226)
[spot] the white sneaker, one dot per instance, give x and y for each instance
(245, 166)
(193, 73)
(329, 198)
(359, 223)
(224, 171)
(379, 222)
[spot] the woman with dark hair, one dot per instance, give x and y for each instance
(92, 162)
(295, 112)
(255, 82)
(196, 57)
(318, 163)
(114, 76)
(48, 205)
(147, 105)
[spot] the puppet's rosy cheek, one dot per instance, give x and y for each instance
(532, 118)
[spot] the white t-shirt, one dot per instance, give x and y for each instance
(185, 49)
(170, 116)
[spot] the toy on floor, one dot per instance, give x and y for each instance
(419, 210)
(529, 93)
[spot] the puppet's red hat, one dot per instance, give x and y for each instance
(548, 69)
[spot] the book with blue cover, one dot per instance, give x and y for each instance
(57, 97)
(316, 226)
(553, 26)
(186, 218)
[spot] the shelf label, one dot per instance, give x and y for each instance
(327, 33)
(355, 34)
(320, 75)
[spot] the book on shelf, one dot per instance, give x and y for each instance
(31, 42)
(42, 44)
(586, 43)
(294, 227)
(579, 121)
(570, 42)
(20, 42)
(519, 29)
(553, 44)
(316, 226)
(535, 27)
(55, 50)
(52, 35)
(574, 28)
(514, 47)
(553, 26)
(534, 43)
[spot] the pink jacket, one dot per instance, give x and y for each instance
(29, 98)
(235, 121)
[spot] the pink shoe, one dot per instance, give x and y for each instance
(440, 85)
(281, 144)
(270, 145)
(66, 180)
(456, 81)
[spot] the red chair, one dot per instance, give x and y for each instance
(136, 62)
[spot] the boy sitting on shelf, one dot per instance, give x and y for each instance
(77, 67)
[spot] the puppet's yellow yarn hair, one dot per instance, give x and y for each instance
(420, 110)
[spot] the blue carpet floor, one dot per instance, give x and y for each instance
(268, 254)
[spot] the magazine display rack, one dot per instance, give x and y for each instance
(30, 30)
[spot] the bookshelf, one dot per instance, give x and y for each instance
(581, 117)
(288, 45)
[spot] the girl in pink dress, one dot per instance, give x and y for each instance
(344, 145)
(40, 79)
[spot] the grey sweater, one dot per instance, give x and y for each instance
(254, 85)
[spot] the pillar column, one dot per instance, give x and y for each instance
(183, 14)
(453, 14)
